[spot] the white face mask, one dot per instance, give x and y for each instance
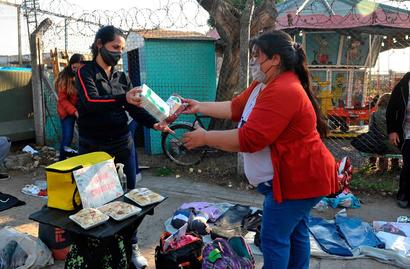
(256, 71)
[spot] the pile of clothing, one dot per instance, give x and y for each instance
(219, 220)
(349, 238)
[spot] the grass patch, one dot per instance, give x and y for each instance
(163, 172)
(367, 179)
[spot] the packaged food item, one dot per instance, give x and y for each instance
(176, 107)
(152, 103)
(144, 196)
(119, 210)
(88, 218)
(163, 111)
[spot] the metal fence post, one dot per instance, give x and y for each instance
(36, 82)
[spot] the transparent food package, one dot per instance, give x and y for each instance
(119, 210)
(144, 196)
(88, 218)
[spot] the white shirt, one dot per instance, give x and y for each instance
(258, 165)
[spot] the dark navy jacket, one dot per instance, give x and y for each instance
(102, 104)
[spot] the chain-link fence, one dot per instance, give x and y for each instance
(173, 47)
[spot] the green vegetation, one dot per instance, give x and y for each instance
(163, 172)
(369, 179)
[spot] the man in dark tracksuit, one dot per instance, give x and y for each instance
(398, 128)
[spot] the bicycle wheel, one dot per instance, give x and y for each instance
(174, 149)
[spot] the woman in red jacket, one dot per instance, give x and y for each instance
(279, 133)
(67, 101)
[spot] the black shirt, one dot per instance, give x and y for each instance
(102, 104)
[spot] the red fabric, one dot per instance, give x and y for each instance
(66, 104)
(284, 119)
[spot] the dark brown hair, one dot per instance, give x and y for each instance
(105, 34)
(65, 79)
(293, 58)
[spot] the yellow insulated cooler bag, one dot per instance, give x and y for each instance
(61, 188)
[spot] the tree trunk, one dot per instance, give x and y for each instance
(244, 36)
(228, 24)
(245, 23)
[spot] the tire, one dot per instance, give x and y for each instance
(175, 151)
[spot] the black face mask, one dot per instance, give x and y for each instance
(111, 58)
(71, 72)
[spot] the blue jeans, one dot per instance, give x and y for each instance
(133, 127)
(122, 149)
(67, 126)
(284, 236)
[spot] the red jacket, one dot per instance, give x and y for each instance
(66, 104)
(284, 119)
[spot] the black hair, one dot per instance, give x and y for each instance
(75, 59)
(105, 34)
(293, 58)
(64, 80)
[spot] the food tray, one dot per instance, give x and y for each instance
(119, 210)
(144, 196)
(88, 218)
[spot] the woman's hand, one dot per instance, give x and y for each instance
(163, 127)
(76, 114)
(193, 106)
(133, 96)
(394, 138)
(195, 138)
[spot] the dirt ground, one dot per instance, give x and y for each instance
(213, 180)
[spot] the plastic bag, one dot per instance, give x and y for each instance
(98, 184)
(21, 251)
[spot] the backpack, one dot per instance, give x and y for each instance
(187, 256)
(234, 253)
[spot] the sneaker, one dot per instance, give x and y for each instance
(137, 259)
(138, 178)
(402, 203)
(4, 176)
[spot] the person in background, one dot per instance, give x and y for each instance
(133, 125)
(279, 132)
(376, 140)
(5, 144)
(398, 128)
(67, 101)
(105, 95)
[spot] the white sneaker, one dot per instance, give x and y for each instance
(138, 177)
(137, 259)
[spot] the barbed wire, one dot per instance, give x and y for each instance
(76, 26)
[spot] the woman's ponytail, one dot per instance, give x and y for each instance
(301, 69)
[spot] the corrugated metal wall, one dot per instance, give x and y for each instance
(16, 103)
(168, 66)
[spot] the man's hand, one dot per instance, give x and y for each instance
(133, 96)
(394, 138)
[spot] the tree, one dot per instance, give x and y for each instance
(235, 21)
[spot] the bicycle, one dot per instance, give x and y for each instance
(174, 148)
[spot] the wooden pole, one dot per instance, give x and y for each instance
(20, 56)
(36, 81)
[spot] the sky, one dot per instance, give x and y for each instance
(397, 60)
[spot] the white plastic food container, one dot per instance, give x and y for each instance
(88, 218)
(119, 210)
(144, 196)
